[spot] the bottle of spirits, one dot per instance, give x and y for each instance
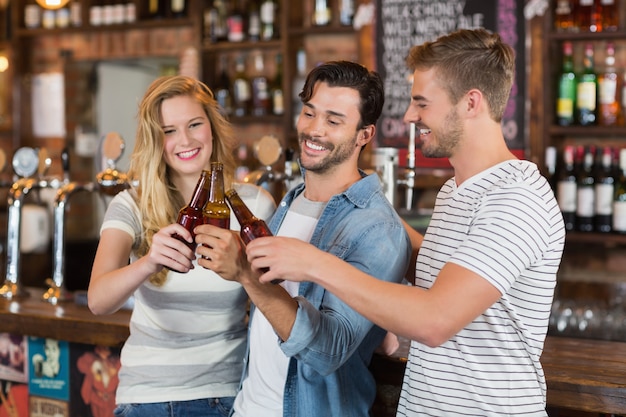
(566, 94)
(619, 199)
(278, 99)
(298, 84)
(346, 12)
(610, 15)
(251, 226)
(222, 88)
(585, 196)
(609, 111)
(550, 162)
(322, 14)
(268, 20)
(254, 21)
(216, 211)
(191, 215)
(604, 192)
(567, 188)
(178, 8)
(261, 101)
(236, 23)
(587, 90)
(564, 16)
(242, 95)
(589, 16)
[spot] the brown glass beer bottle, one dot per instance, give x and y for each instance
(216, 211)
(251, 226)
(191, 215)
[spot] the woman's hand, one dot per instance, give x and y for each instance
(171, 249)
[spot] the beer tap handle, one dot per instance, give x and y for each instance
(65, 163)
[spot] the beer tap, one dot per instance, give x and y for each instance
(56, 288)
(408, 177)
(268, 150)
(26, 161)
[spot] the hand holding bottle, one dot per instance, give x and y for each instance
(170, 249)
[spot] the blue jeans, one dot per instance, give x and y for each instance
(207, 407)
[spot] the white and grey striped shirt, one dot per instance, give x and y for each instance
(505, 225)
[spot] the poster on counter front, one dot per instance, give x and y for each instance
(48, 407)
(48, 365)
(13, 354)
(94, 375)
(13, 399)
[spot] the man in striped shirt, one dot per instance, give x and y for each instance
(486, 270)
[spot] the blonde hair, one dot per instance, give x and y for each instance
(468, 59)
(157, 197)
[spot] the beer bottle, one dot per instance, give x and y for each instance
(191, 215)
(216, 211)
(251, 226)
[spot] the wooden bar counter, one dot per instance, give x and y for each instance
(584, 375)
(31, 316)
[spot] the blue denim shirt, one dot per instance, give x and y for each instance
(331, 345)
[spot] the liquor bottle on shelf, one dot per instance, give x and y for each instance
(190, 215)
(551, 166)
(236, 23)
(604, 191)
(346, 12)
(216, 211)
(254, 21)
(155, 9)
(251, 226)
(564, 16)
(241, 90)
(222, 87)
(589, 16)
(609, 112)
(268, 20)
(322, 14)
(610, 15)
(261, 100)
(566, 94)
(587, 90)
(566, 188)
(178, 8)
(585, 195)
(276, 90)
(298, 83)
(215, 25)
(619, 198)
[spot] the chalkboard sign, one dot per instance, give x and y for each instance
(401, 24)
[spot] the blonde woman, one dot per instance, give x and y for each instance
(187, 330)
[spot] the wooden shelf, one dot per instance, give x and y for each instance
(140, 24)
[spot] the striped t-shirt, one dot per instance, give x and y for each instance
(505, 225)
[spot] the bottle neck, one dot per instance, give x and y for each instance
(216, 190)
(242, 212)
(200, 193)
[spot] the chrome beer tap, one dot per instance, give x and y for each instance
(26, 161)
(56, 285)
(407, 179)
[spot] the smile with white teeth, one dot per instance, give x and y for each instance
(314, 146)
(424, 132)
(188, 154)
